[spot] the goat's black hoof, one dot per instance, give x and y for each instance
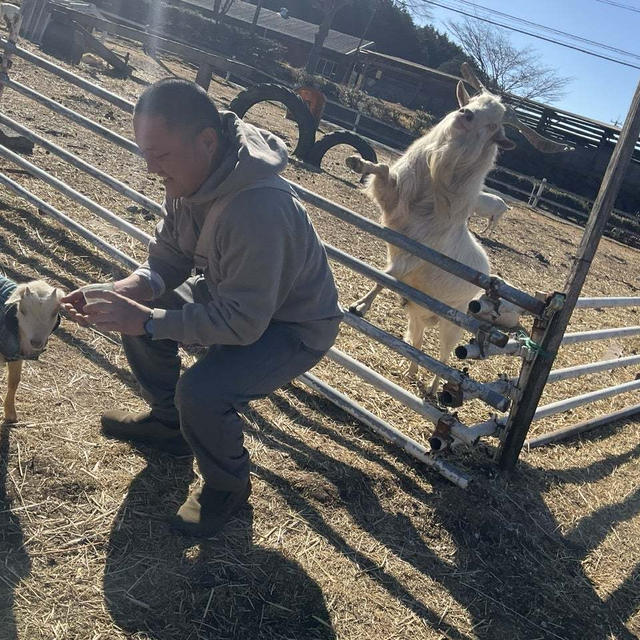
(356, 312)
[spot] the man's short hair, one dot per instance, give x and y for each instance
(181, 103)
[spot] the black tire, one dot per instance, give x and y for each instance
(331, 140)
(292, 101)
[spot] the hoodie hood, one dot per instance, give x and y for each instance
(252, 154)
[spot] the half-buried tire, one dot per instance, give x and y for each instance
(293, 102)
(336, 138)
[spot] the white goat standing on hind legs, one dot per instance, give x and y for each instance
(429, 193)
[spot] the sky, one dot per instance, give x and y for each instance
(600, 89)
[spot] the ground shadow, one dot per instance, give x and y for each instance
(14, 560)
(513, 572)
(171, 587)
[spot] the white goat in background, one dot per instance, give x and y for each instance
(492, 208)
(429, 193)
(28, 316)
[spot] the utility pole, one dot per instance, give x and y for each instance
(356, 55)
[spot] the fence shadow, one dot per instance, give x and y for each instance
(14, 560)
(513, 572)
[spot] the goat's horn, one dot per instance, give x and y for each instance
(539, 142)
(471, 77)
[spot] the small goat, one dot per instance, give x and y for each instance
(429, 193)
(491, 207)
(29, 312)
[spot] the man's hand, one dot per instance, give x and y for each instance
(133, 287)
(73, 304)
(118, 314)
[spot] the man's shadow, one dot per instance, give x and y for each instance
(14, 560)
(172, 587)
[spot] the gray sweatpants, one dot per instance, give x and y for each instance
(207, 397)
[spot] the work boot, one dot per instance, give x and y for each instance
(144, 429)
(206, 510)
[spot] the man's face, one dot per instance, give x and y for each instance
(183, 160)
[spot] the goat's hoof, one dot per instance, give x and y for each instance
(357, 310)
(411, 372)
(354, 163)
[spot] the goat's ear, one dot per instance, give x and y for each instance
(461, 94)
(503, 142)
(27, 291)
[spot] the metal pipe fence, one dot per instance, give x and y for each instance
(68, 222)
(582, 427)
(515, 347)
(497, 340)
(454, 316)
(606, 303)
(74, 116)
(380, 426)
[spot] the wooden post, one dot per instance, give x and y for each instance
(203, 77)
(256, 15)
(533, 376)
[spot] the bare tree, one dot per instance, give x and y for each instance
(505, 67)
(329, 10)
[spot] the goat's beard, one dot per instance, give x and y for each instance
(456, 160)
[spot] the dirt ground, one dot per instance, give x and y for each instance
(347, 536)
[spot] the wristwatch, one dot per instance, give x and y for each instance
(148, 326)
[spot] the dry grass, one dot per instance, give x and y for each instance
(348, 538)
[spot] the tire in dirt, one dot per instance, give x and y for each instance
(292, 101)
(336, 138)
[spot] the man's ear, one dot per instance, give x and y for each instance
(210, 138)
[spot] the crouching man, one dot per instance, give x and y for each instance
(263, 299)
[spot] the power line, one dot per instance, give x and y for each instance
(533, 35)
(620, 5)
(537, 25)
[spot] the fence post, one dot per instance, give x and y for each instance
(533, 376)
(203, 77)
(534, 200)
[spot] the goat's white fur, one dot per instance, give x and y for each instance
(491, 207)
(428, 194)
(38, 304)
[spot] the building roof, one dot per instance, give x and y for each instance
(413, 66)
(290, 27)
(519, 101)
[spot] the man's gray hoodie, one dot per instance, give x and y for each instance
(262, 259)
